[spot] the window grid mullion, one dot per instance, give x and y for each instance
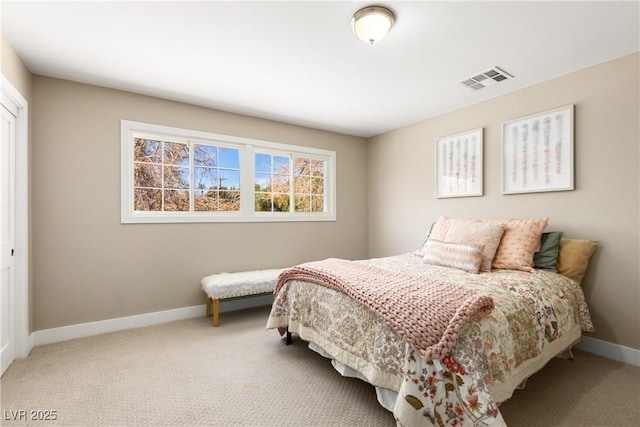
(162, 192)
(192, 177)
(247, 180)
(292, 185)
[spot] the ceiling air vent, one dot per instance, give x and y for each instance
(487, 78)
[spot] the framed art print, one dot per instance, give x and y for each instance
(537, 152)
(459, 165)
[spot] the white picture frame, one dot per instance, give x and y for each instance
(459, 165)
(538, 152)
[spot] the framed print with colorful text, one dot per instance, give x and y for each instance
(537, 152)
(459, 165)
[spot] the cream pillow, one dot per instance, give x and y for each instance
(477, 232)
(521, 239)
(454, 255)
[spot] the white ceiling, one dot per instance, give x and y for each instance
(298, 62)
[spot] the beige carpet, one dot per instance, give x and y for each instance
(187, 373)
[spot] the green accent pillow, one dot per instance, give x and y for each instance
(547, 257)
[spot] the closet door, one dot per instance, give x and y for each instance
(7, 233)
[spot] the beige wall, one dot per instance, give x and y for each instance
(89, 267)
(603, 207)
(17, 73)
(14, 69)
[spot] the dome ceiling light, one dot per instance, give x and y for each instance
(372, 23)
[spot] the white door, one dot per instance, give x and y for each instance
(7, 233)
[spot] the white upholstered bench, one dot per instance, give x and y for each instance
(234, 285)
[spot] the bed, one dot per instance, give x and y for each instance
(443, 344)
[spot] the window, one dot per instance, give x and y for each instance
(273, 187)
(217, 178)
(272, 183)
(161, 175)
(179, 175)
(309, 184)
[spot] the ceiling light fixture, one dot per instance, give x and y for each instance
(372, 23)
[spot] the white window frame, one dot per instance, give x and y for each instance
(247, 148)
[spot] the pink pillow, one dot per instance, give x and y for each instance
(521, 239)
(440, 228)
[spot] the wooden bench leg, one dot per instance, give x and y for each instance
(216, 312)
(209, 312)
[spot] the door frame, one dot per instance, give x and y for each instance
(24, 341)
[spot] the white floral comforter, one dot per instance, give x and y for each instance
(536, 316)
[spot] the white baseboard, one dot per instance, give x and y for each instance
(31, 342)
(48, 336)
(609, 350)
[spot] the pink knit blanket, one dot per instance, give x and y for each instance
(426, 312)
